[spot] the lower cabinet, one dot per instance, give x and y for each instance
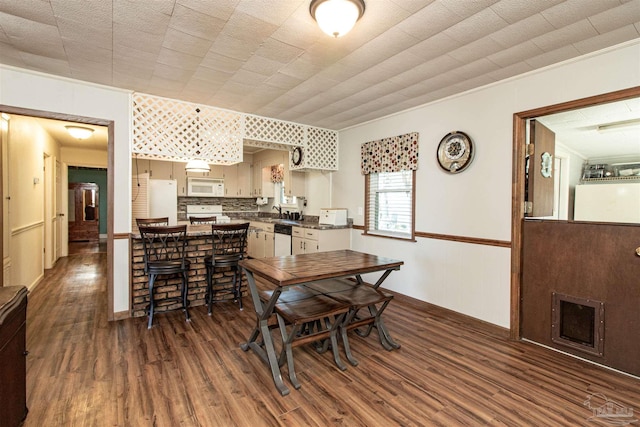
(260, 240)
(13, 355)
(311, 240)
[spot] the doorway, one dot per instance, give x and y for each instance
(108, 126)
(84, 208)
(520, 122)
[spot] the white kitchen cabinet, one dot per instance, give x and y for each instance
(160, 169)
(237, 180)
(294, 182)
(310, 240)
(261, 240)
(180, 175)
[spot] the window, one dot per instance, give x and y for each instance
(390, 204)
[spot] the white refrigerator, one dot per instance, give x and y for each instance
(608, 202)
(163, 199)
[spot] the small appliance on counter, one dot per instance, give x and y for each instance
(203, 211)
(333, 216)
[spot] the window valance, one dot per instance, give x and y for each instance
(394, 154)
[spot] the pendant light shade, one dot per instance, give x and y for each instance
(197, 166)
(336, 17)
(79, 132)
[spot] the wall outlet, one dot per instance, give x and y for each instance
(360, 212)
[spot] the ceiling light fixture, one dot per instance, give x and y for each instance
(197, 165)
(79, 132)
(619, 126)
(336, 17)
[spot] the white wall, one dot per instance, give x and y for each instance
(25, 89)
(469, 278)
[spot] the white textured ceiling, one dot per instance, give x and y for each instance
(268, 57)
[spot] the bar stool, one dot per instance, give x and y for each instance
(152, 221)
(229, 243)
(165, 254)
(203, 220)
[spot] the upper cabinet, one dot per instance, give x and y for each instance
(237, 180)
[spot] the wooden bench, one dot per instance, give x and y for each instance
(312, 317)
(366, 307)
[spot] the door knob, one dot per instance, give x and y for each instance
(638, 251)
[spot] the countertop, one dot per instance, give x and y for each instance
(205, 229)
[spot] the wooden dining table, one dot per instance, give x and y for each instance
(282, 272)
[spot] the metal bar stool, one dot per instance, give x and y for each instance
(165, 254)
(152, 221)
(203, 220)
(229, 243)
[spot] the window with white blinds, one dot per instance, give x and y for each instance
(390, 204)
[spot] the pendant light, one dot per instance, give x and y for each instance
(197, 165)
(336, 17)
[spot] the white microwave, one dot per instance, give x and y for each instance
(205, 187)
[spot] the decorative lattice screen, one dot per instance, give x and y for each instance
(170, 129)
(174, 130)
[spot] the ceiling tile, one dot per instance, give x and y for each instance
(601, 41)
(524, 30)
(210, 75)
(611, 19)
(434, 47)
(178, 59)
(510, 70)
(465, 9)
(221, 9)
(476, 49)
(46, 64)
(96, 37)
(273, 12)
(238, 24)
(571, 11)
(232, 47)
(278, 51)
(263, 66)
(33, 37)
(221, 63)
(33, 10)
(553, 57)
(477, 26)
(128, 37)
(429, 21)
(177, 75)
(515, 54)
(566, 35)
(182, 42)
(514, 11)
(412, 6)
(195, 23)
(148, 16)
(282, 81)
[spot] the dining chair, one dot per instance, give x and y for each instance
(204, 220)
(229, 245)
(152, 221)
(165, 250)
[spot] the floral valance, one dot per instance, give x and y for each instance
(394, 154)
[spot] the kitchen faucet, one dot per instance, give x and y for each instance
(279, 209)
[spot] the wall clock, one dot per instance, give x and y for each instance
(455, 152)
(296, 156)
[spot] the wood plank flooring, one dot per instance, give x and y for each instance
(85, 371)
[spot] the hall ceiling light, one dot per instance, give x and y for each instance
(79, 132)
(336, 17)
(620, 126)
(197, 166)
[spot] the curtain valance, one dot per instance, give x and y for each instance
(394, 154)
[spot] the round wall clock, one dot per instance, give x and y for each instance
(296, 156)
(455, 152)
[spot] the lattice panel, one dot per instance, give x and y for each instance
(272, 130)
(322, 149)
(171, 129)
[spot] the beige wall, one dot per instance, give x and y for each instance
(28, 143)
(84, 157)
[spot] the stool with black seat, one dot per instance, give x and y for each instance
(229, 244)
(165, 254)
(203, 220)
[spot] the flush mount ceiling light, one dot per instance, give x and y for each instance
(79, 132)
(197, 166)
(336, 17)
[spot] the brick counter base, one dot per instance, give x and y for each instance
(169, 286)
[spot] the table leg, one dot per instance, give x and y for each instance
(263, 312)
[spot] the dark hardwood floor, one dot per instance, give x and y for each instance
(85, 371)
